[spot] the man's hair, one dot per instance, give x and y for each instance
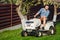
(46, 5)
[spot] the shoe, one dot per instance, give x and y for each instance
(43, 28)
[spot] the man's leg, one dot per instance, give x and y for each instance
(44, 20)
(41, 19)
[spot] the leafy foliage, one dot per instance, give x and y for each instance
(27, 4)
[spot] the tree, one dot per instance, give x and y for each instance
(24, 6)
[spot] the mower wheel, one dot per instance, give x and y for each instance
(38, 34)
(52, 30)
(24, 33)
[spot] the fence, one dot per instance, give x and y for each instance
(8, 16)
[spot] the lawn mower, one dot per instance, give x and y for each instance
(32, 27)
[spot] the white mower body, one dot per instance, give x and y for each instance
(31, 24)
(48, 25)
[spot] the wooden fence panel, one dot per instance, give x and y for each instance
(5, 16)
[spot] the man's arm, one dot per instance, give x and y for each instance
(37, 12)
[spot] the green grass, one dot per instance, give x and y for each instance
(15, 35)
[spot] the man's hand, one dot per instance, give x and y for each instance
(34, 16)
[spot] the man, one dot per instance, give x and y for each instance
(44, 12)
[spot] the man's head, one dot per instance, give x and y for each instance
(46, 7)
